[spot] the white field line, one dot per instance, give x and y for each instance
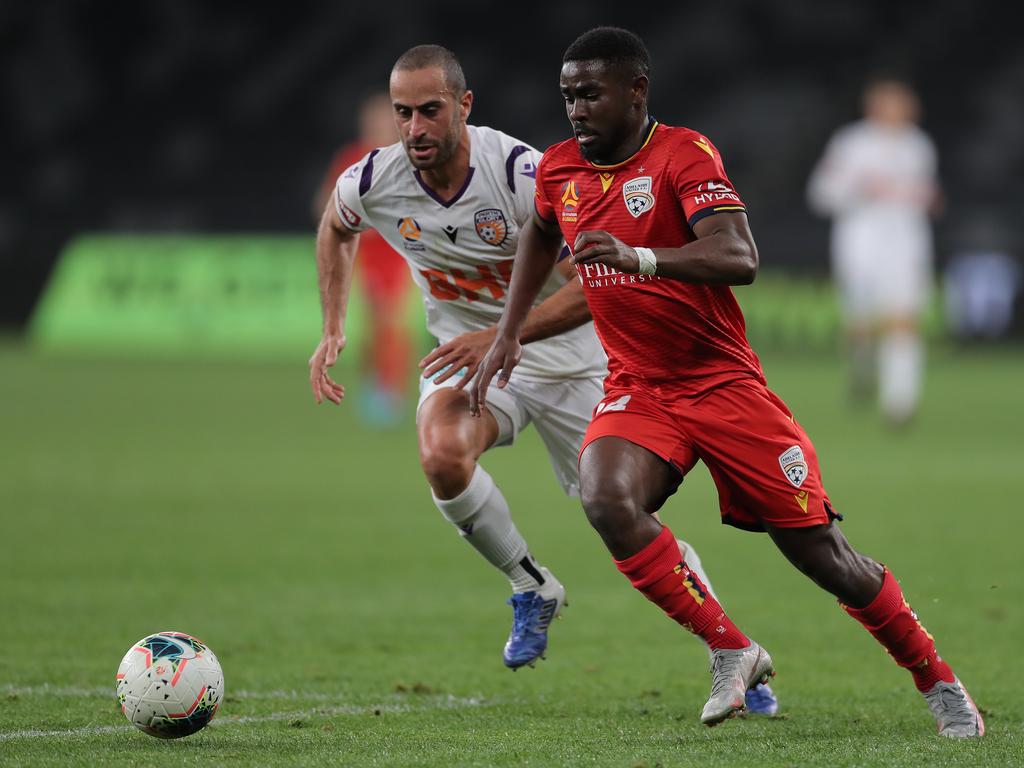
(104, 692)
(423, 705)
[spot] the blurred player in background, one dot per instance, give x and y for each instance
(452, 198)
(878, 181)
(388, 348)
(658, 235)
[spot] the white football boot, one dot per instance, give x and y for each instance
(956, 715)
(733, 672)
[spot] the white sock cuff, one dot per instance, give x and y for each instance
(469, 502)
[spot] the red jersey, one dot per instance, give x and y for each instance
(662, 335)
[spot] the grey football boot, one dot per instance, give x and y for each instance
(732, 673)
(956, 715)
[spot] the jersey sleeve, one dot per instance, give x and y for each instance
(350, 192)
(521, 176)
(833, 184)
(700, 181)
(541, 203)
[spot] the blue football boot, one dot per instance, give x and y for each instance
(761, 700)
(532, 613)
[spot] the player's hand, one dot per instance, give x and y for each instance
(504, 356)
(599, 247)
(462, 352)
(325, 356)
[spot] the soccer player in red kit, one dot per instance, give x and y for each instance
(658, 235)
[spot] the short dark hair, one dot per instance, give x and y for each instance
(424, 56)
(613, 46)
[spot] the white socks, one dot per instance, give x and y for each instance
(481, 514)
(900, 369)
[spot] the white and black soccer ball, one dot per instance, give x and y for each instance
(169, 685)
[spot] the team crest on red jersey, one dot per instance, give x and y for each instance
(794, 467)
(638, 196)
(491, 226)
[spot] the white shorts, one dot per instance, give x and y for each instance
(560, 410)
(882, 277)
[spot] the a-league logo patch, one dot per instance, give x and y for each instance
(794, 467)
(637, 194)
(491, 226)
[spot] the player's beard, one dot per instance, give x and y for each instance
(445, 149)
(591, 152)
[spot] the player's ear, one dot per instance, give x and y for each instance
(641, 85)
(466, 104)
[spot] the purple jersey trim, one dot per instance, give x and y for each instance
(438, 198)
(367, 177)
(510, 163)
(565, 253)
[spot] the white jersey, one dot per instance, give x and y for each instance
(461, 251)
(860, 159)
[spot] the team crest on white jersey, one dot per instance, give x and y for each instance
(637, 193)
(794, 467)
(491, 226)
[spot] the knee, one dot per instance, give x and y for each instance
(448, 464)
(609, 504)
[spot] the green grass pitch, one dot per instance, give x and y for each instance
(355, 628)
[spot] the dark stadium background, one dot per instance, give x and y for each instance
(175, 115)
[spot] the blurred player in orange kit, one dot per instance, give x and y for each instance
(877, 180)
(388, 349)
(658, 233)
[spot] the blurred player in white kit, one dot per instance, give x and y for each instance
(451, 198)
(878, 181)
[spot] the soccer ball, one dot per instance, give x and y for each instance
(169, 685)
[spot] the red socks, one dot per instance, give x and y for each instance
(659, 572)
(892, 622)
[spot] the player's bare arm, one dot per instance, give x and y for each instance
(562, 311)
(536, 255)
(336, 247)
(723, 253)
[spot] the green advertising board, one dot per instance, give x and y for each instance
(248, 295)
(256, 295)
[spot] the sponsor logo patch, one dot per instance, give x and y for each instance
(794, 467)
(491, 226)
(638, 197)
(714, 192)
(350, 217)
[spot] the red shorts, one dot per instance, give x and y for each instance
(761, 460)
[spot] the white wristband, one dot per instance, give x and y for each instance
(648, 262)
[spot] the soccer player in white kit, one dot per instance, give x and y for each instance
(878, 180)
(451, 198)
